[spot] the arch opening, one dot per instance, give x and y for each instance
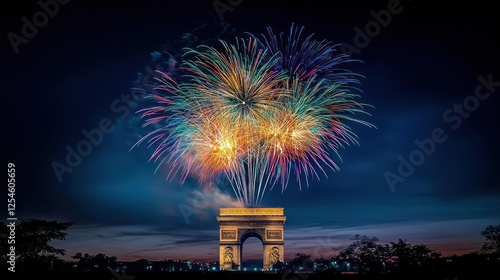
(251, 253)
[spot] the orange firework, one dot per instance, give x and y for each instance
(254, 114)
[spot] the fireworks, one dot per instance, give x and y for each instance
(256, 112)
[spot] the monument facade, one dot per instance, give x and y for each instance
(238, 224)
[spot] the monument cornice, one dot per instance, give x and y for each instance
(251, 211)
(250, 222)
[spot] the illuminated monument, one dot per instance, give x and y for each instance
(256, 113)
(238, 224)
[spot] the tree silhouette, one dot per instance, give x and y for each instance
(301, 262)
(278, 266)
(4, 245)
(32, 243)
(492, 244)
(367, 253)
(99, 262)
(407, 257)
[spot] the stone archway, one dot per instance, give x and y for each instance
(238, 224)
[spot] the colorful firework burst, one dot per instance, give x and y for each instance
(257, 112)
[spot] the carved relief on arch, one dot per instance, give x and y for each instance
(228, 255)
(228, 234)
(274, 256)
(274, 234)
(252, 231)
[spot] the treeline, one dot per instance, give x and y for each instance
(30, 250)
(365, 255)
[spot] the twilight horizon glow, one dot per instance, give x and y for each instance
(254, 113)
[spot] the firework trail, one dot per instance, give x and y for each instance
(256, 112)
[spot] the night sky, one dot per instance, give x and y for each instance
(431, 77)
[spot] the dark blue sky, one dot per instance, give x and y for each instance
(422, 72)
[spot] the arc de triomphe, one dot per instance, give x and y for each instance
(238, 224)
